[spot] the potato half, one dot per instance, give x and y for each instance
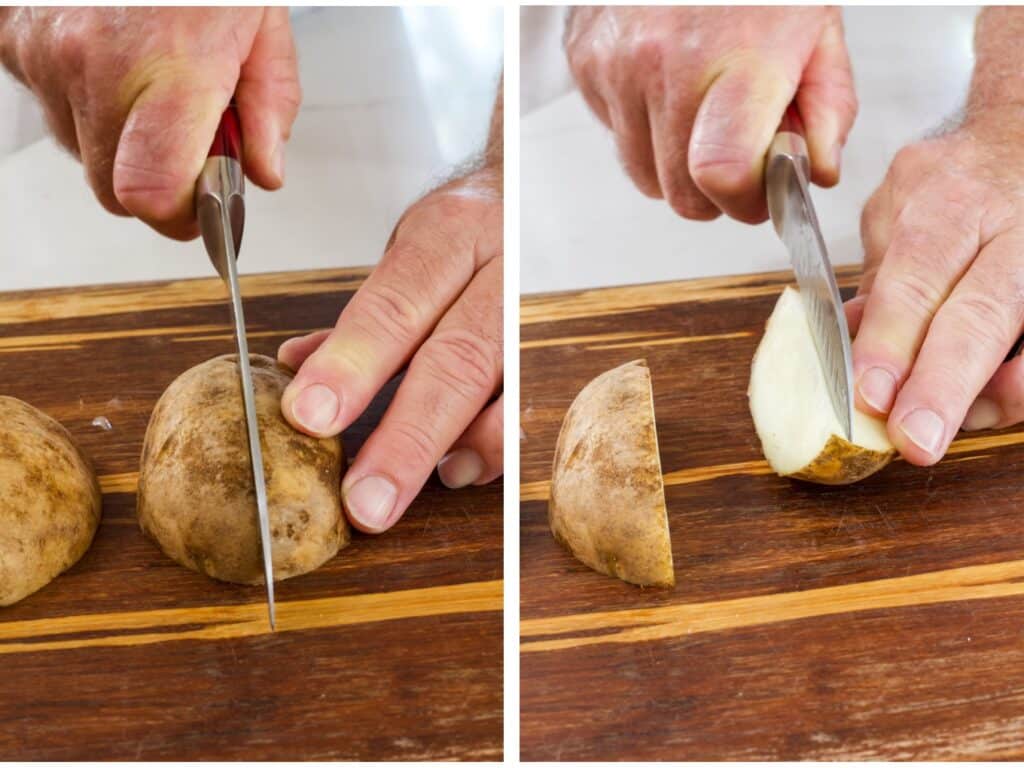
(50, 501)
(196, 493)
(607, 502)
(793, 414)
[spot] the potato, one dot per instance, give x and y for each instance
(801, 436)
(50, 501)
(196, 494)
(607, 502)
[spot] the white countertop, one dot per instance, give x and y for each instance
(393, 99)
(584, 225)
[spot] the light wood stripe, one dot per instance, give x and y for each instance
(234, 621)
(640, 298)
(50, 348)
(76, 340)
(540, 490)
(676, 340)
(981, 582)
(565, 341)
(125, 482)
(249, 335)
(37, 306)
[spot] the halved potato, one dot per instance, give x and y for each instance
(50, 502)
(793, 414)
(196, 494)
(607, 502)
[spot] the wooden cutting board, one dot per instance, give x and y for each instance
(883, 620)
(392, 650)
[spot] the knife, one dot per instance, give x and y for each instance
(220, 209)
(787, 188)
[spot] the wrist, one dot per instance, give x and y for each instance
(998, 79)
(1003, 122)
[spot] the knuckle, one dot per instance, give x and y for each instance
(908, 157)
(416, 445)
(913, 293)
(148, 191)
(912, 164)
(388, 313)
(874, 210)
(463, 361)
(691, 205)
(645, 53)
(70, 43)
(983, 318)
(722, 168)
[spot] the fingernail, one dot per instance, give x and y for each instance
(983, 414)
(925, 429)
(315, 408)
(877, 388)
(370, 502)
(460, 468)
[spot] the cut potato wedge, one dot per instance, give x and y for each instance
(793, 414)
(607, 502)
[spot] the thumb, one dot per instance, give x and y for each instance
(268, 97)
(734, 126)
(827, 101)
(164, 144)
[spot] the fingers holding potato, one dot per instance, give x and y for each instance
(196, 493)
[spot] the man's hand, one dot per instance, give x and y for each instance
(942, 297)
(694, 95)
(433, 306)
(433, 303)
(136, 95)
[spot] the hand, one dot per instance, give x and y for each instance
(136, 95)
(694, 95)
(433, 303)
(942, 297)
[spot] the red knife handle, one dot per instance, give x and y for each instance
(792, 122)
(227, 142)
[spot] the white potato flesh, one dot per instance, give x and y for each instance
(789, 401)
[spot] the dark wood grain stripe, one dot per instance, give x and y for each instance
(225, 622)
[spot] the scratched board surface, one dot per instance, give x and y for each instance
(883, 620)
(392, 650)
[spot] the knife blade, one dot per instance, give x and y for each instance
(787, 188)
(220, 208)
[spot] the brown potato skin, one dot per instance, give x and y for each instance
(841, 463)
(607, 503)
(196, 494)
(50, 502)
